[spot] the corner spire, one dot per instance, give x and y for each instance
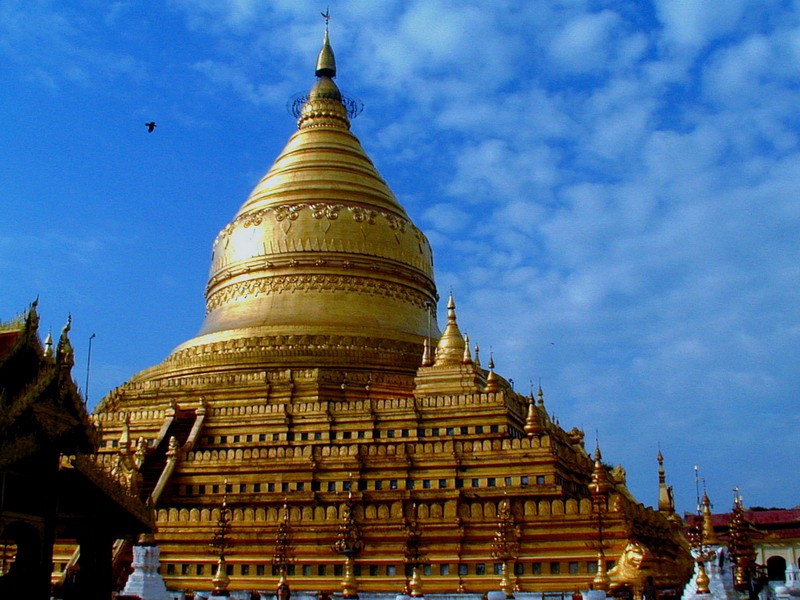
(64, 350)
(534, 424)
(492, 384)
(666, 502)
(600, 483)
(467, 359)
(450, 349)
(48, 345)
(709, 536)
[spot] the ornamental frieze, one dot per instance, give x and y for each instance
(260, 344)
(392, 269)
(314, 283)
(319, 210)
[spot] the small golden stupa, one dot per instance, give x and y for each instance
(320, 380)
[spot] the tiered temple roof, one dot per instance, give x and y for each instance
(51, 485)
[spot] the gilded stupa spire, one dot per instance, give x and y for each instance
(325, 105)
(326, 62)
(467, 359)
(534, 424)
(666, 503)
(450, 349)
(320, 260)
(709, 537)
(600, 483)
(492, 384)
(48, 345)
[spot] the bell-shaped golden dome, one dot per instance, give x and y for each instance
(321, 263)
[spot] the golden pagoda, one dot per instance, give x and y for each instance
(319, 381)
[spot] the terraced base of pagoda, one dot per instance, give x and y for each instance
(285, 352)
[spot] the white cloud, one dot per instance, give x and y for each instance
(447, 218)
(230, 76)
(56, 46)
(583, 42)
(696, 23)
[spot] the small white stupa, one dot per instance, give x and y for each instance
(145, 581)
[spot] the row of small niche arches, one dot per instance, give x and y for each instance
(425, 511)
(370, 449)
(149, 415)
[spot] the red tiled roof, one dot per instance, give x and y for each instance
(7, 339)
(781, 523)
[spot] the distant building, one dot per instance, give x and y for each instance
(775, 535)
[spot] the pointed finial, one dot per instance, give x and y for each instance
(533, 420)
(477, 356)
(48, 345)
(64, 349)
(492, 384)
(666, 501)
(467, 356)
(450, 349)
(31, 319)
(697, 488)
(600, 483)
(597, 454)
(709, 536)
(326, 63)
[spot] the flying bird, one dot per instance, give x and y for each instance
(151, 126)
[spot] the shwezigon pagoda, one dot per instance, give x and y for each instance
(322, 430)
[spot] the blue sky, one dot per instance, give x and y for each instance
(610, 188)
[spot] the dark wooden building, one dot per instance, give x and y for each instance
(51, 488)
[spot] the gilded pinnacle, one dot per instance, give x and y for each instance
(326, 62)
(451, 347)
